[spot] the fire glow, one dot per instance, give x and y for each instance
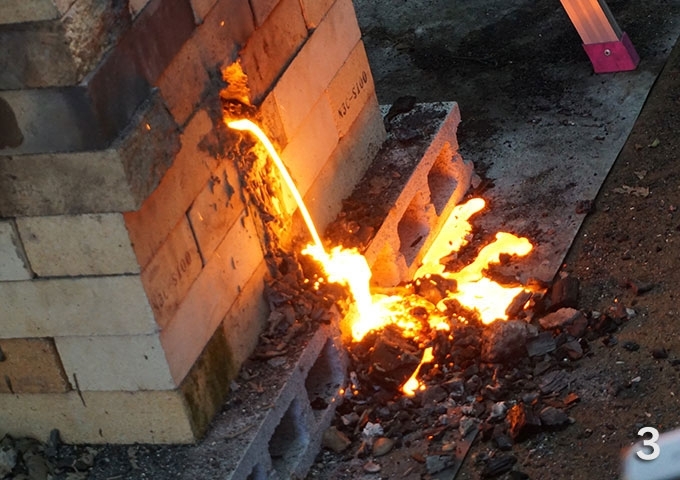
(372, 312)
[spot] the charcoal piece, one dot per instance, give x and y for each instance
(392, 360)
(498, 465)
(553, 382)
(541, 344)
(604, 324)
(564, 293)
(522, 422)
(503, 442)
(517, 304)
(437, 463)
(578, 327)
(505, 342)
(571, 350)
(455, 387)
(631, 346)
(553, 417)
(433, 395)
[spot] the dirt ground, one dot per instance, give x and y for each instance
(630, 239)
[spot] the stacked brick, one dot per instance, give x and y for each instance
(131, 273)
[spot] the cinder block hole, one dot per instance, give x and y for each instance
(325, 378)
(289, 441)
(414, 226)
(258, 473)
(442, 178)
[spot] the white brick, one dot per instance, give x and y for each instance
(150, 225)
(125, 363)
(99, 417)
(216, 208)
(19, 11)
(72, 245)
(346, 166)
(113, 305)
(201, 9)
(13, 263)
(171, 272)
(310, 73)
(247, 318)
(314, 11)
(262, 9)
(351, 88)
(310, 148)
(271, 47)
(210, 297)
(136, 6)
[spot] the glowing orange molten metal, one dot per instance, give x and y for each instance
(412, 384)
(373, 312)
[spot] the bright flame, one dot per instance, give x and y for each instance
(412, 384)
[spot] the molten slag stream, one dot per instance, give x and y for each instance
(255, 130)
(348, 267)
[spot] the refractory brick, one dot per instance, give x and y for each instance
(31, 365)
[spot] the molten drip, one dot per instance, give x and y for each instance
(255, 130)
(412, 385)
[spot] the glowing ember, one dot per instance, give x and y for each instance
(412, 384)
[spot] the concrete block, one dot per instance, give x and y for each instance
(216, 208)
(228, 272)
(303, 82)
(346, 166)
(278, 434)
(154, 416)
(19, 11)
(309, 149)
(350, 89)
(115, 363)
(62, 50)
(150, 225)
(31, 365)
(13, 262)
(271, 47)
(171, 272)
(315, 10)
(116, 179)
(72, 245)
(89, 306)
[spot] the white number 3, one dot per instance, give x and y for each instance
(651, 443)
